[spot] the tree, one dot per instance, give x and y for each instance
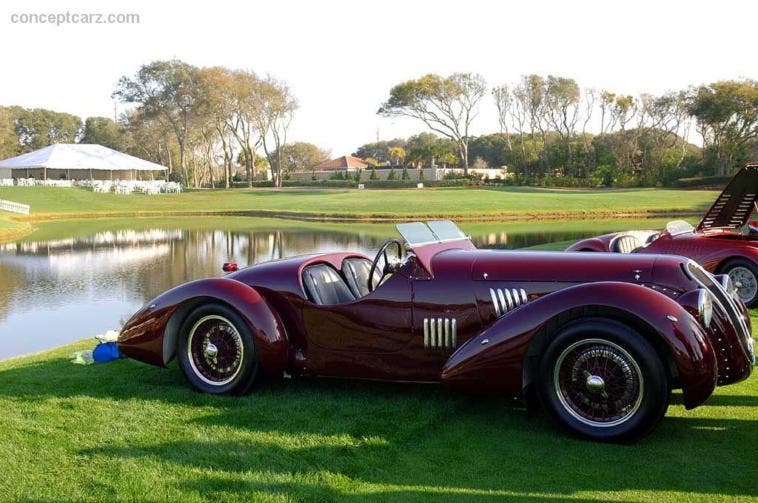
(503, 103)
(378, 150)
(447, 105)
(301, 156)
(275, 107)
(427, 148)
(529, 100)
(562, 109)
(397, 155)
(8, 139)
(38, 127)
(166, 91)
(149, 139)
(727, 115)
(244, 119)
(106, 132)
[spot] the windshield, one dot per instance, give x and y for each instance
(435, 231)
(678, 227)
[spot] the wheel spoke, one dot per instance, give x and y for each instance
(609, 391)
(215, 350)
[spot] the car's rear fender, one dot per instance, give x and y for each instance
(151, 334)
(503, 355)
(589, 244)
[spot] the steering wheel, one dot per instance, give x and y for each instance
(386, 267)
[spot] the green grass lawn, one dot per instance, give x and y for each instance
(132, 432)
(11, 229)
(443, 202)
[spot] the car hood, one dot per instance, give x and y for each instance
(561, 266)
(733, 207)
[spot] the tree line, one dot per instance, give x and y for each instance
(550, 126)
(208, 124)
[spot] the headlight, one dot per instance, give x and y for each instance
(705, 307)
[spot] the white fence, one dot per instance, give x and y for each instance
(14, 207)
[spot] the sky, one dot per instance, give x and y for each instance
(341, 58)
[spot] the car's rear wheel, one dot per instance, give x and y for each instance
(602, 380)
(744, 276)
(216, 351)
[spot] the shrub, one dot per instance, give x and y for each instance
(392, 175)
(372, 175)
(405, 175)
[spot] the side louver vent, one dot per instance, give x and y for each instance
(506, 300)
(440, 333)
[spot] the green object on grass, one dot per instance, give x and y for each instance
(82, 358)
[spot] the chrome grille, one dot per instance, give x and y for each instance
(506, 300)
(726, 302)
(440, 333)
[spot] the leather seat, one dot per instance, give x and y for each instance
(356, 270)
(324, 285)
(626, 244)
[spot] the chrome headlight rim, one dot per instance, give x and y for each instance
(705, 307)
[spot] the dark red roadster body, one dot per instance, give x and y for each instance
(721, 243)
(600, 329)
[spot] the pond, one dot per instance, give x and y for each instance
(76, 279)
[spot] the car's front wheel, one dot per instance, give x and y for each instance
(744, 276)
(602, 380)
(216, 351)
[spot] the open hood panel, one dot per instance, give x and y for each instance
(735, 204)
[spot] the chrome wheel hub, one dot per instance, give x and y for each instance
(211, 351)
(595, 384)
(745, 282)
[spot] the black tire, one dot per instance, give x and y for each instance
(743, 271)
(217, 351)
(632, 373)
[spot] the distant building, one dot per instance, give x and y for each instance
(344, 163)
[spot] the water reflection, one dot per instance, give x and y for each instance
(56, 291)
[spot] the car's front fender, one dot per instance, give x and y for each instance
(151, 334)
(494, 360)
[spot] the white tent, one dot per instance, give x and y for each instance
(78, 161)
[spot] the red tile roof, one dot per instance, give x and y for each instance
(344, 162)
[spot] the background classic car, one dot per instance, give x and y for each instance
(597, 340)
(721, 242)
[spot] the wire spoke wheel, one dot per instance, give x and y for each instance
(598, 382)
(745, 282)
(215, 350)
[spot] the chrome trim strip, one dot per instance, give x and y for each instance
(426, 332)
(495, 302)
(447, 332)
(523, 296)
(440, 336)
(505, 302)
(455, 333)
(432, 333)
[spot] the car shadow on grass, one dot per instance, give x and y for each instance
(328, 439)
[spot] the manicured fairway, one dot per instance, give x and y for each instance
(129, 431)
(393, 204)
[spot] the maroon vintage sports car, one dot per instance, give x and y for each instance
(722, 242)
(598, 340)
